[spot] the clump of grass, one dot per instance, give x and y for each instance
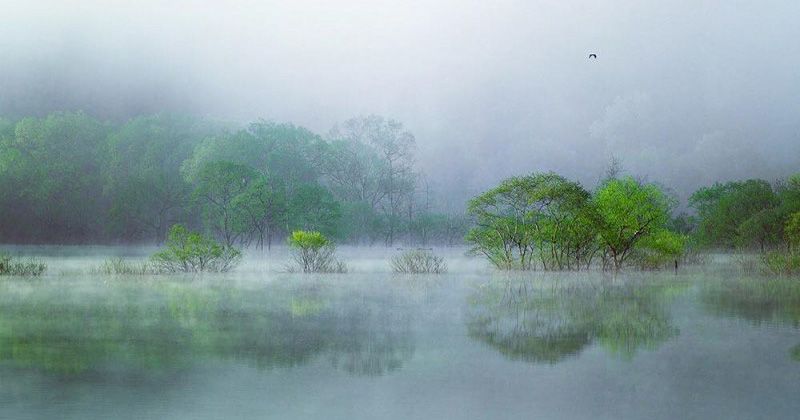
(118, 266)
(781, 263)
(27, 268)
(312, 252)
(418, 261)
(748, 264)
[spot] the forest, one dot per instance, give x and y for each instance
(69, 178)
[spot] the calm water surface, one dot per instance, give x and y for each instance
(472, 344)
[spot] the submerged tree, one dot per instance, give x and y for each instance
(629, 211)
(540, 217)
(192, 252)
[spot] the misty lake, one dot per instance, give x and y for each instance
(471, 344)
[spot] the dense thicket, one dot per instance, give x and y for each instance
(69, 178)
(750, 214)
(544, 221)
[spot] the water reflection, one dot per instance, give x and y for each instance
(547, 320)
(171, 326)
(758, 300)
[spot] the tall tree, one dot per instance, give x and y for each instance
(218, 186)
(386, 178)
(142, 172)
(629, 211)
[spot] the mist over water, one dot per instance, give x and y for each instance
(683, 93)
(261, 343)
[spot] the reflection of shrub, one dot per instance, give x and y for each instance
(10, 267)
(192, 252)
(314, 253)
(418, 261)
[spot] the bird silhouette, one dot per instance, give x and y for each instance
(593, 56)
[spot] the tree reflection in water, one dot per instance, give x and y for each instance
(755, 299)
(546, 320)
(171, 326)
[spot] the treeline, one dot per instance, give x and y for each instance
(752, 214)
(70, 178)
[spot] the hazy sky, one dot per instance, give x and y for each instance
(684, 92)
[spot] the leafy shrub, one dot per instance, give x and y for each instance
(312, 252)
(10, 267)
(659, 250)
(192, 252)
(417, 262)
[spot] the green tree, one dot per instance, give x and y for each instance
(540, 216)
(629, 211)
(51, 185)
(218, 186)
(384, 176)
(192, 252)
(723, 208)
(142, 171)
(764, 228)
(312, 207)
(264, 205)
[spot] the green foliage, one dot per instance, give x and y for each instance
(10, 266)
(419, 261)
(218, 186)
(629, 211)
(371, 160)
(540, 217)
(51, 184)
(781, 263)
(312, 207)
(264, 206)
(308, 240)
(312, 252)
(661, 249)
(792, 231)
(187, 251)
(70, 178)
(142, 170)
(724, 208)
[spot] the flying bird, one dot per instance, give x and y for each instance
(593, 56)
